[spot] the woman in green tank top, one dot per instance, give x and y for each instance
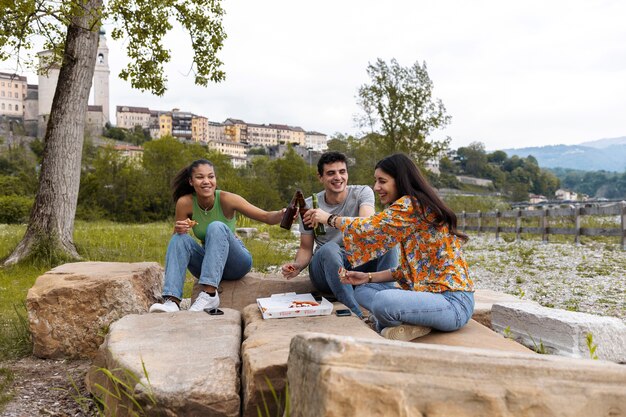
(210, 213)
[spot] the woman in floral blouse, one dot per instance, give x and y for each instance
(435, 289)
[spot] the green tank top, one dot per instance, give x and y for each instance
(204, 218)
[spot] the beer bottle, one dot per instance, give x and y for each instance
(320, 229)
(289, 214)
(302, 208)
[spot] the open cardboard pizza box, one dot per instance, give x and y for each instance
(293, 305)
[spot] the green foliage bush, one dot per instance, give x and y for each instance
(12, 185)
(15, 208)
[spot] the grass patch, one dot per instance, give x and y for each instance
(267, 253)
(6, 381)
(110, 242)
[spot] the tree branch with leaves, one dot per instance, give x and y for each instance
(70, 31)
(400, 111)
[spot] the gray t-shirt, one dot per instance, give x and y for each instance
(358, 195)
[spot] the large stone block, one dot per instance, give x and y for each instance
(265, 350)
(243, 292)
(562, 332)
(71, 306)
(343, 376)
(484, 301)
(473, 335)
(190, 358)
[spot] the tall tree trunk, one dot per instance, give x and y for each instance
(51, 225)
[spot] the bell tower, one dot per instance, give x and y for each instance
(101, 77)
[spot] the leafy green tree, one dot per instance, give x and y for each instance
(114, 186)
(228, 178)
(70, 31)
(292, 172)
(261, 189)
(473, 159)
(20, 164)
(398, 105)
(340, 142)
(162, 159)
(497, 157)
(116, 133)
(37, 147)
(448, 166)
(257, 151)
(547, 184)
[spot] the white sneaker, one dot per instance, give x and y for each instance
(167, 307)
(204, 300)
(404, 332)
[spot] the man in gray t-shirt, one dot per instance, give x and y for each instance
(325, 254)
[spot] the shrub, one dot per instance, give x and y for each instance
(12, 185)
(15, 209)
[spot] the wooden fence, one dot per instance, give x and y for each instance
(492, 222)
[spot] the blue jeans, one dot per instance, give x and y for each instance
(324, 272)
(446, 311)
(223, 256)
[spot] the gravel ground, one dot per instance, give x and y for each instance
(44, 388)
(590, 278)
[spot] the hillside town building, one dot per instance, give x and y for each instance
(13, 91)
(127, 117)
(31, 104)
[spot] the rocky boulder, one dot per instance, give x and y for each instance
(562, 332)
(484, 301)
(171, 364)
(265, 351)
(337, 376)
(71, 306)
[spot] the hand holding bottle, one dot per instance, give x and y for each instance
(315, 217)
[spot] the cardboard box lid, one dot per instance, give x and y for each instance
(293, 305)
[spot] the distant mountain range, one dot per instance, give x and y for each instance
(596, 155)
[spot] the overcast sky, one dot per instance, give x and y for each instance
(511, 74)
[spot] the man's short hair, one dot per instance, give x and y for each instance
(330, 158)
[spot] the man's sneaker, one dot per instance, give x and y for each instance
(204, 300)
(405, 332)
(167, 307)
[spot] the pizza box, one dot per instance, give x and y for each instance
(293, 305)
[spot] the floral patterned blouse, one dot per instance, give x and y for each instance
(431, 258)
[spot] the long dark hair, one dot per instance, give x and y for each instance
(410, 181)
(180, 183)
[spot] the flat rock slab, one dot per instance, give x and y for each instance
(562, 332)
(243, 292)
(473, 335)
(343, 376)
(71, 306)
(484, 301)
(265, 350)
(191, 360)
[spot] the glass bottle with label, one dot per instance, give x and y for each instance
(290, 213)
(302, 208)
(320, 229)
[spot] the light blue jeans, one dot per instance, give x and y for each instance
(223, 256)
(446, 311)
(324, 272)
